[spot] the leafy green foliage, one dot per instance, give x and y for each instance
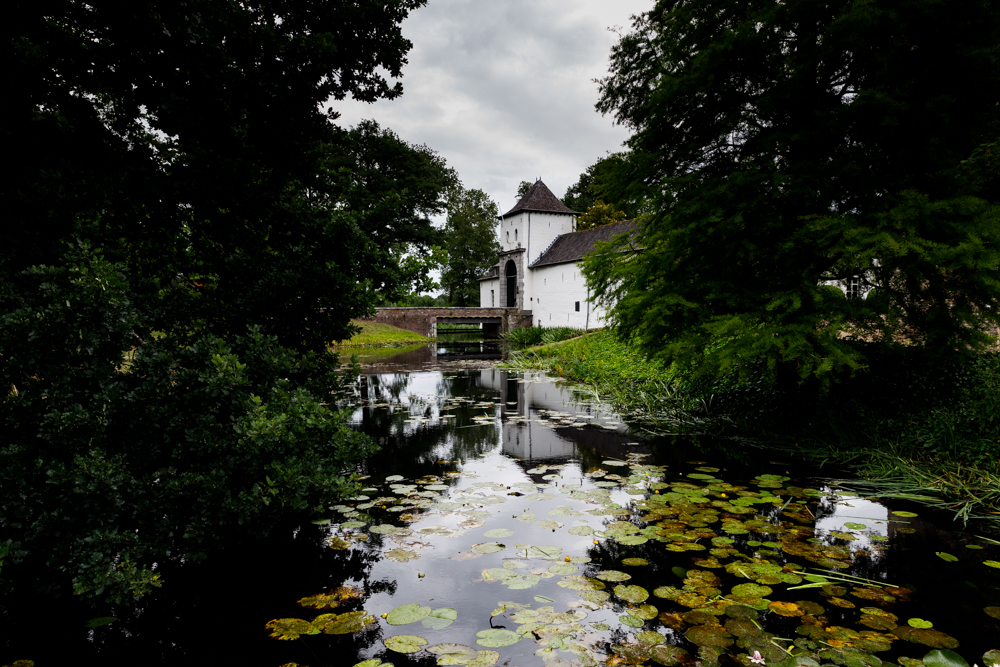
(599, 214)
(470, 239)
(775, 156)
(230, 433)
(189, 233)
(594, 186)
(539, 335)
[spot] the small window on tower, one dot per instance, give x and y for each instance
(578, 306)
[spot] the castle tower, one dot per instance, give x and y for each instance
(526, 231)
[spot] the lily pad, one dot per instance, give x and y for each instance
(404, 643)
(709, 635)
(498, 532)
(946, 556)
(668, 655)
(407, 613)
(343, 624)
(289, 628)
(488, 547)
(440, 618)
(634, 562)
(991, 658)
(613, 575)
(563, 568)
(992, 563)
(946, 658)
(486, 658)
(633, 594)
(919, 623)
(497, 638)
(992, 611)
(751, 590)
(401, 555)
(854, 525)
(905, 515)
(453, 654)
(631, 621)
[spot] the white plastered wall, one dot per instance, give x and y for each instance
(485, 296)
(557, 289)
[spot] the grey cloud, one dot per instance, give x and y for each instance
(503, 89)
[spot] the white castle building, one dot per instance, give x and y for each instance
(538, 271)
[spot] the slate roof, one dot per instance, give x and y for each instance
(539, 199)
(573, 246)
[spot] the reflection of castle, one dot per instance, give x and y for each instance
(528, 438)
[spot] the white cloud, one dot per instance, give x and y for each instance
(504, 90)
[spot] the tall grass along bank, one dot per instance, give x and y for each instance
(912, 427)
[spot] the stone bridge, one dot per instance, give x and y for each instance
(425, 320)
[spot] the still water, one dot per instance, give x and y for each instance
(511, 519)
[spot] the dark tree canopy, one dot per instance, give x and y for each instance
(470, 238)
(594, 185)
(186, 231)
(781, 144)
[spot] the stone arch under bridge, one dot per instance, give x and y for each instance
(424, 321)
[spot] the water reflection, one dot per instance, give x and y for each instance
(482, 450)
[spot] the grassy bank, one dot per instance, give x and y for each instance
(913, 427)
(376, 334)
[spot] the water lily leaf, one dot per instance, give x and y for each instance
(407, 613)
(543, 599)
(498, 532)
(946, 556)
(383, 529)
(394, 478)
(991, 658)
(925, 636)
(404, 643)
(709, 635)
(646, 612)
(634, 562)
(854, 525)
(905, 515)
(519, 582)
(633, 594)
(337, 543)
(634, 539)
(401, 555)
(785, 609)
(563, 568)
(945, 658)
(440, 618)
(992, 563)
(842, 535)
(374, 662)
(751, 590)
(578, 582)
(650, 637)
(497, 638)
(666, 592)
(342, 624)
(992, 611)
(631, 621)
(668, 655)
(919, 623)
(488, 547)
(613, 575)
(595, 597)
(453, 654)
(332, 599)
(100, 621)
(485, 658)
(581, 530)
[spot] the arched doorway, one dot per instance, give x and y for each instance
(511, 272)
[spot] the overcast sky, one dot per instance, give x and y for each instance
(504, 91)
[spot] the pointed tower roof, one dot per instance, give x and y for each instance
(539, 199)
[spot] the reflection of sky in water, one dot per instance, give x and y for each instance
(838, 507)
